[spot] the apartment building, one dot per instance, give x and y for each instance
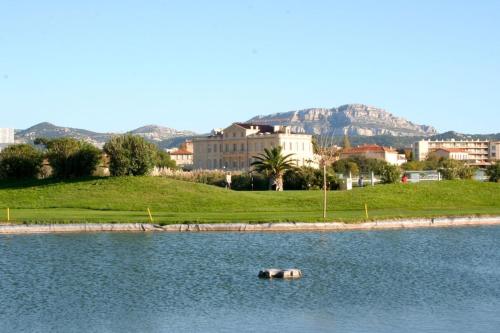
(6, 137)
(387, 154)
(452, 153)
(234, 147)
(494, 151)
(479, 152)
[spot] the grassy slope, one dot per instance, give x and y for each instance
(126, 200)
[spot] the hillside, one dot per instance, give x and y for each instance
(351, 119)
(126, 199)
(158, 133)
(162, 136)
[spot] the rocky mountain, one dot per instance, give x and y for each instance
(163, 136)
(351, 119)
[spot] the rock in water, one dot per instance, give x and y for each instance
(270, 273)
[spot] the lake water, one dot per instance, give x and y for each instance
(439, 280)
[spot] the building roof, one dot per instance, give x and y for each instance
(181, 152)
(261, 128)
(368, 148)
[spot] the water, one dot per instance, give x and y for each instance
(440, 280)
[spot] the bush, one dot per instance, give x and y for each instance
(163, 160)
(307, 178)
(130, 155)
(453, 169)
(345, 166)
(359, 164)
(71, 158)
(20, 161)
(414, 166)
(243, 182)
(390, 174)
(493, 172)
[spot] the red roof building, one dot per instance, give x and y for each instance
(387, 154)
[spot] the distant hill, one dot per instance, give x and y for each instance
(351, 119)
(406, 141)
(162, 136)
(159, 133)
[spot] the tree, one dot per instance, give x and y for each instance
(453, 169)
(274, 165)
(70, 158)
(346, 166)
(130, 155)
(493, 172)
(390, 174)
(20, 161)
(163, 160)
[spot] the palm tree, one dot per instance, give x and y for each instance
(273, 164)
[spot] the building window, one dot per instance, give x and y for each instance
(242, 147)
(215, 164)
(235, 165)
(215, 148)
(234, 147)
(227, 148)
(234, 134)
(290, 145)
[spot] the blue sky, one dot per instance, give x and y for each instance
(118, 65)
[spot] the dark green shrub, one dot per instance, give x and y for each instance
(307, 178)
(243, 182)
(20, 161)
(130, 155)
(493, 172)
(71, 158)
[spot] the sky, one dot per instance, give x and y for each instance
(112, 66)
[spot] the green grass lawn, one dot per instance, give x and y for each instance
(126, 199)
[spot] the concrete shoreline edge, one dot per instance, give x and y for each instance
(438, 222)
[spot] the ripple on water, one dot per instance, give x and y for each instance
(390, 281)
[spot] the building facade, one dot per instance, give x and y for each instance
(387, 154)
(6, 137)
(183, 156)
(494, 151)
(479, 151)
(234, 147)
(451, 153)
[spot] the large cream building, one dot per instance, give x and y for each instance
(234, 147)
(479, 152)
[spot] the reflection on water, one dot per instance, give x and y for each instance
(385, 281)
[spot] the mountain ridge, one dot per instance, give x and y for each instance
(351, 119)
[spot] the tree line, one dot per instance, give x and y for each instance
(128, 155)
